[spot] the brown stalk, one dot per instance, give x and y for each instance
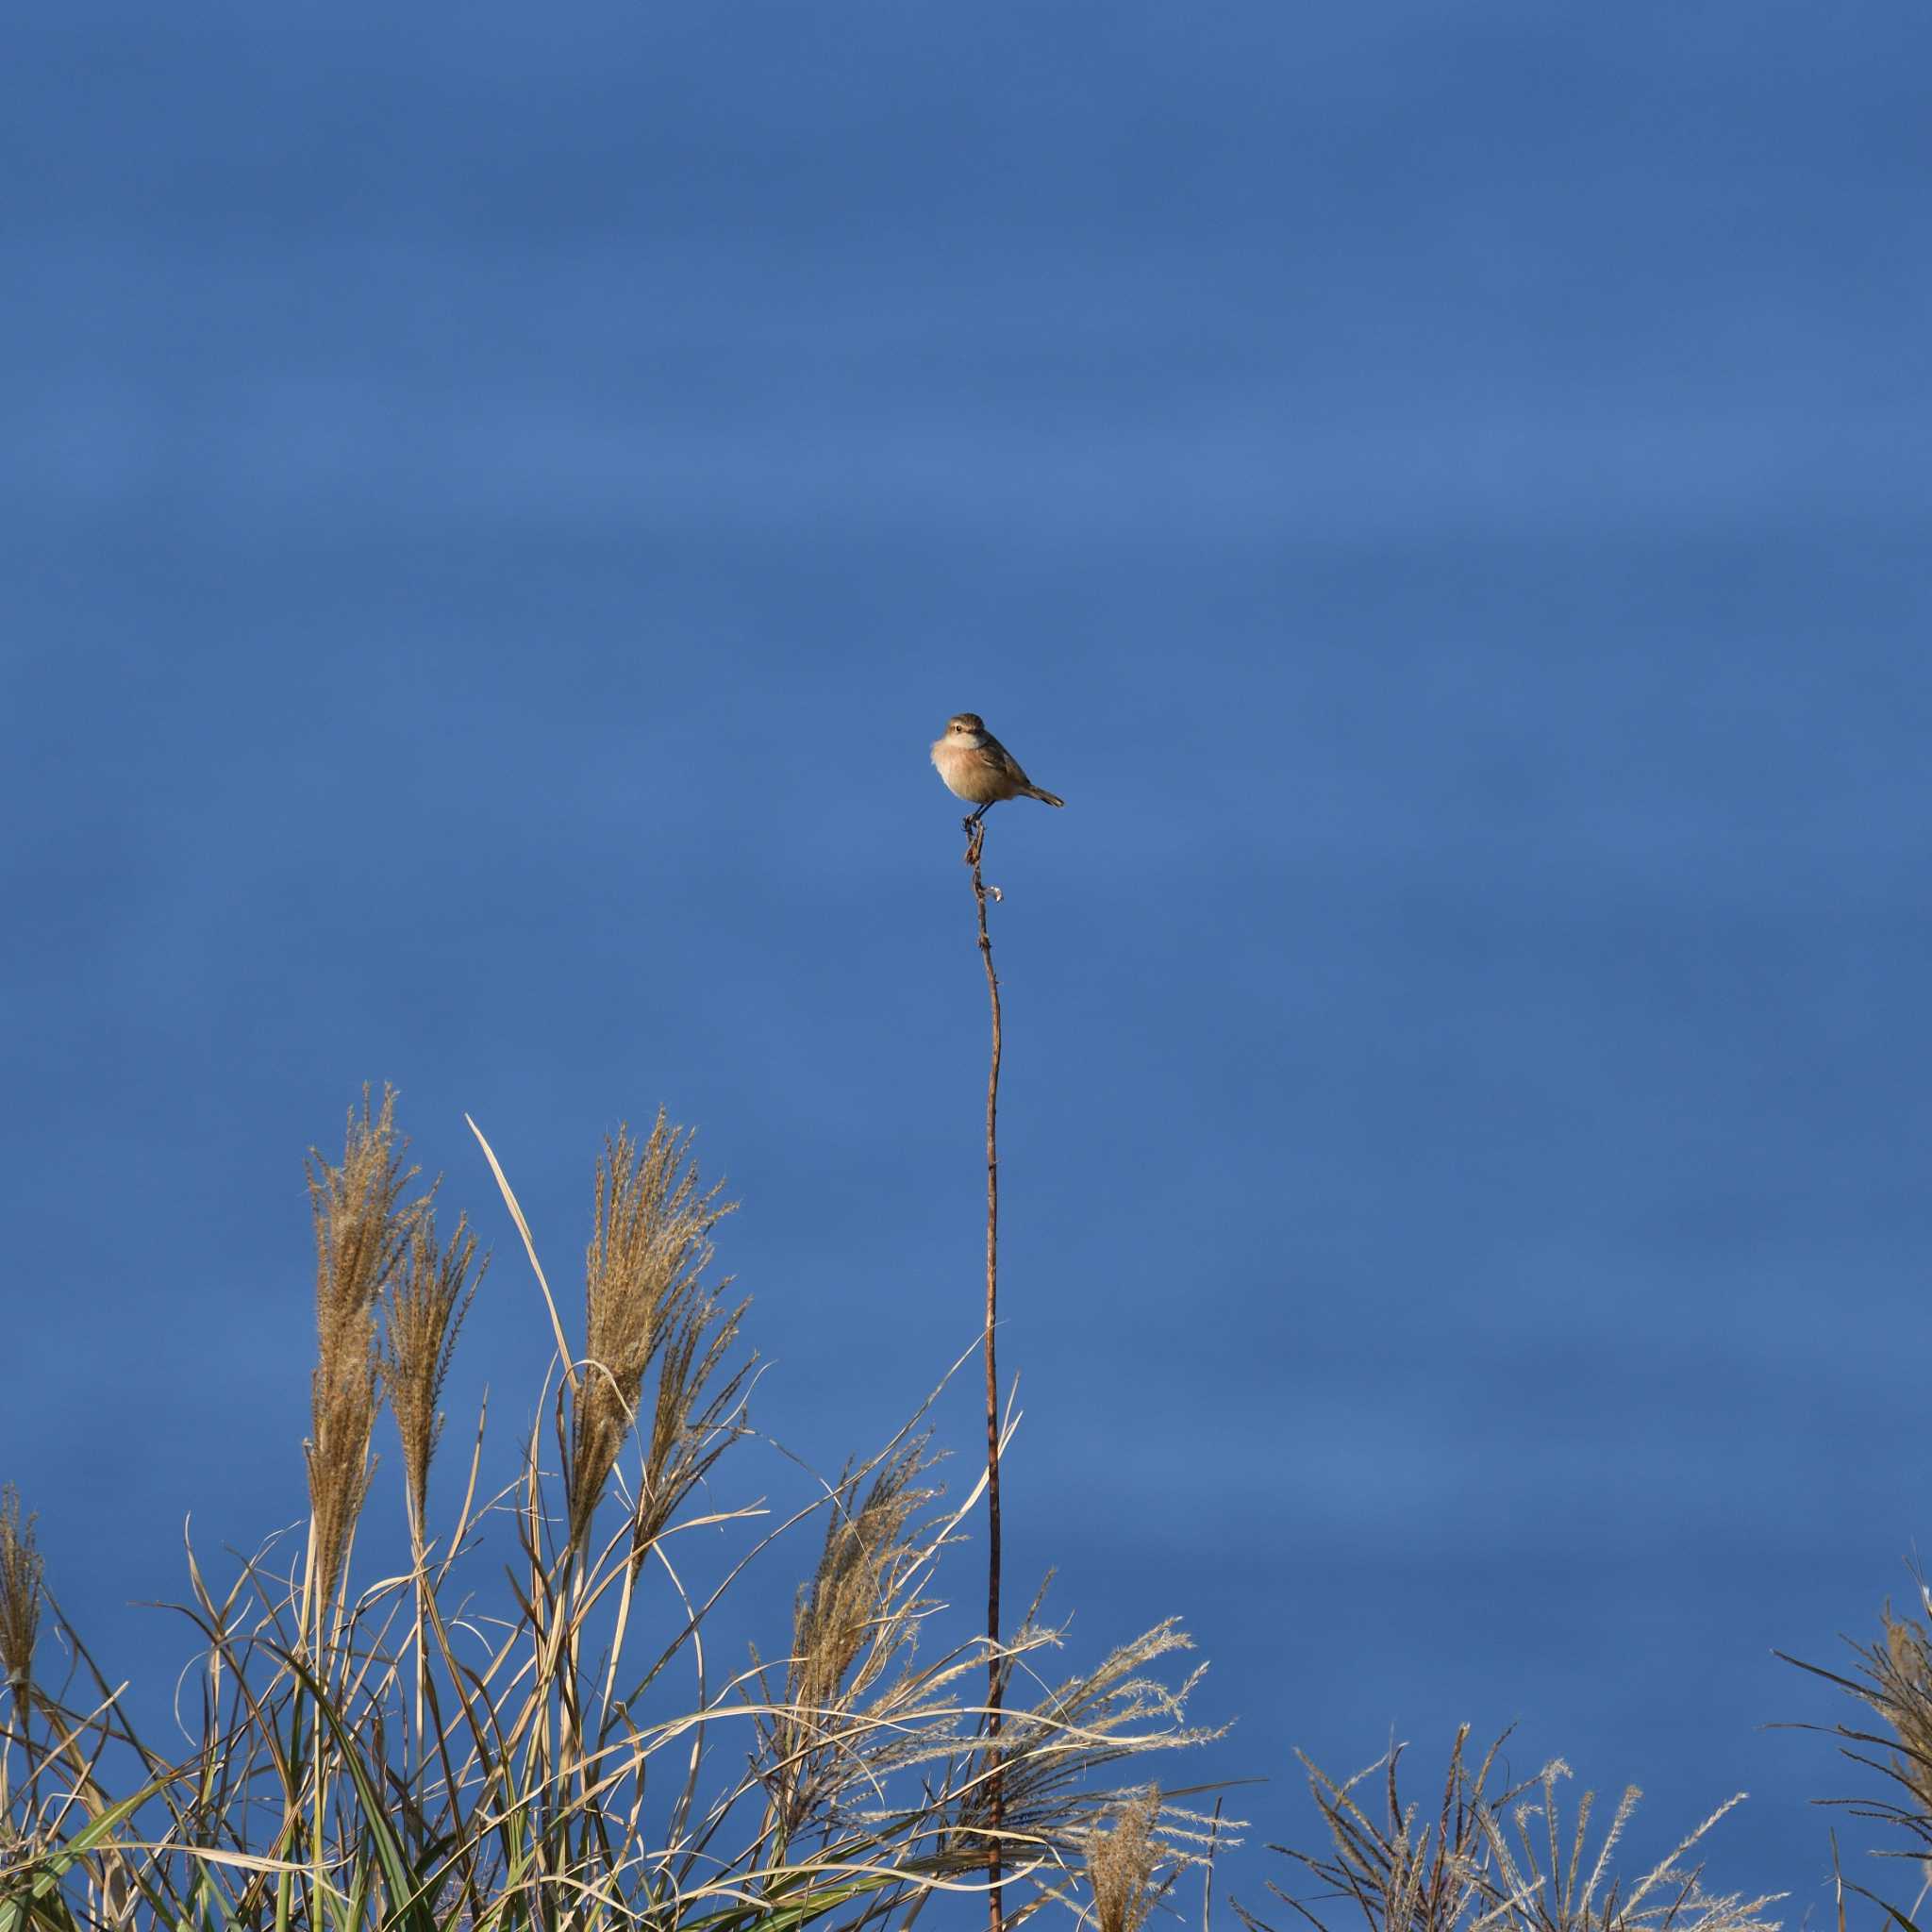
(995, 1675)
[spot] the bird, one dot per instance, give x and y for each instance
(979, 768)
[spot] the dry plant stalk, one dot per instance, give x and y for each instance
(643, 1287)
(361, 1231)
(995, 1668)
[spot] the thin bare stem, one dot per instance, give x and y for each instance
(995, 1675)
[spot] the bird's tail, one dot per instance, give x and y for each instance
(1045, 797)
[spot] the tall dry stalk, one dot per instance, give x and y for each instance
(995, 1672)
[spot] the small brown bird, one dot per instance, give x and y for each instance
(979, 768)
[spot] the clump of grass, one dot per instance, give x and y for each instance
(1499, 1861)
(1892, 1679)
(568, 1757)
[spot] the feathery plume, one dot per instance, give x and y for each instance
(1121, 1864)
(422, 1311)
(361, 1230)
(850, 1623)
(642, 1285)
(21, 1585)
(689, 1429)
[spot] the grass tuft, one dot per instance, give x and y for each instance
(1498, 1861)
(554, 1747)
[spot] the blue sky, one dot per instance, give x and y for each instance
(497, 507)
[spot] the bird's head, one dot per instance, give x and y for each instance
(968, 728)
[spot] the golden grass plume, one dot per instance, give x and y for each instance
(643, 1287)
(362, 1229)
(1121, 1866)
(422, 1313)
